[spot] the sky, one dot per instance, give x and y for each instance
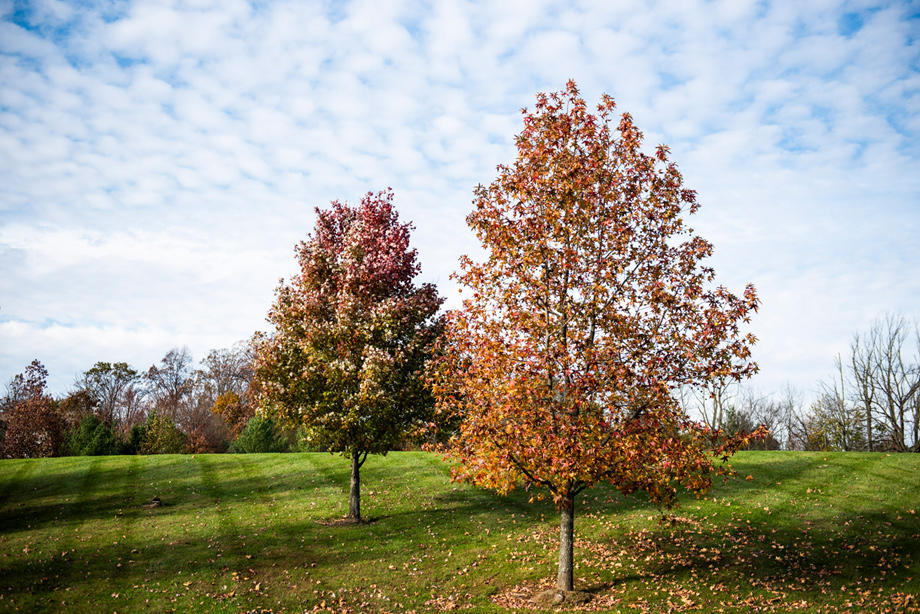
(159, 161)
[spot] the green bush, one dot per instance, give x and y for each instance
(161, 436)
(260, 435)
(135, 440)
(92, 438)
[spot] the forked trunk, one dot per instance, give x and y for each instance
(354, 496)
(565, 580)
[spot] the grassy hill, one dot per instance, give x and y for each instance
(807, 531)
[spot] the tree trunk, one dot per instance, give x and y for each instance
(354, 497)
(916, 443)
(565, 580)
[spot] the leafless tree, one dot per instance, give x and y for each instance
(225, 370)
(897, 382)
(863, 375)
(710, 401)
(170, 383)
(134, 408)
(750, 410)
(106, 383)
(842, 421)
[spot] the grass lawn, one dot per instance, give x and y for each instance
(808, 532)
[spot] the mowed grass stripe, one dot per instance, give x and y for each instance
(126, 517)
(18, 472)
(212, 469)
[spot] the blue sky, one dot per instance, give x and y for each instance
(158, 161)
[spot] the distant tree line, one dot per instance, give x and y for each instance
(871, 403)
(172, 407)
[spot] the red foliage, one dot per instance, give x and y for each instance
(352, 332)
(34, 426)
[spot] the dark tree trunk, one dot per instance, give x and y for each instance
(354, 496)
(565, 580)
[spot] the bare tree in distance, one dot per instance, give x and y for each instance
(133, 407)
(749, 410)
(731, 406)
(170, 384)
(845, 422)
(897, 382)
(863, 366)
(107, 383)
(710, 400)
(227, 370)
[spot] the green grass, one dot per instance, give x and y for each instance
(809, 532)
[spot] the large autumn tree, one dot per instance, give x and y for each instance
(591, 307)
(352, 334)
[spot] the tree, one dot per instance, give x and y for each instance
(259, 436)
(170, 384)
(161, 436)
(863, 365)
(712, 400)
(351, 336)
(750, 411)
(206, 432)
(107, 383)
(92, 438)
(234, 412)
(28, 384)
(134, 408)
(34, 426)
(221, 401)
(810, 429)
(897, 382)
(135, 440)
(589, 310)
(846, 423)
(227, 371)
(76, 406)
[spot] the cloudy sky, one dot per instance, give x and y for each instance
(159, 161)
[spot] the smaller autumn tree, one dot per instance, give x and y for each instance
(352, 334)
(589, 310)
